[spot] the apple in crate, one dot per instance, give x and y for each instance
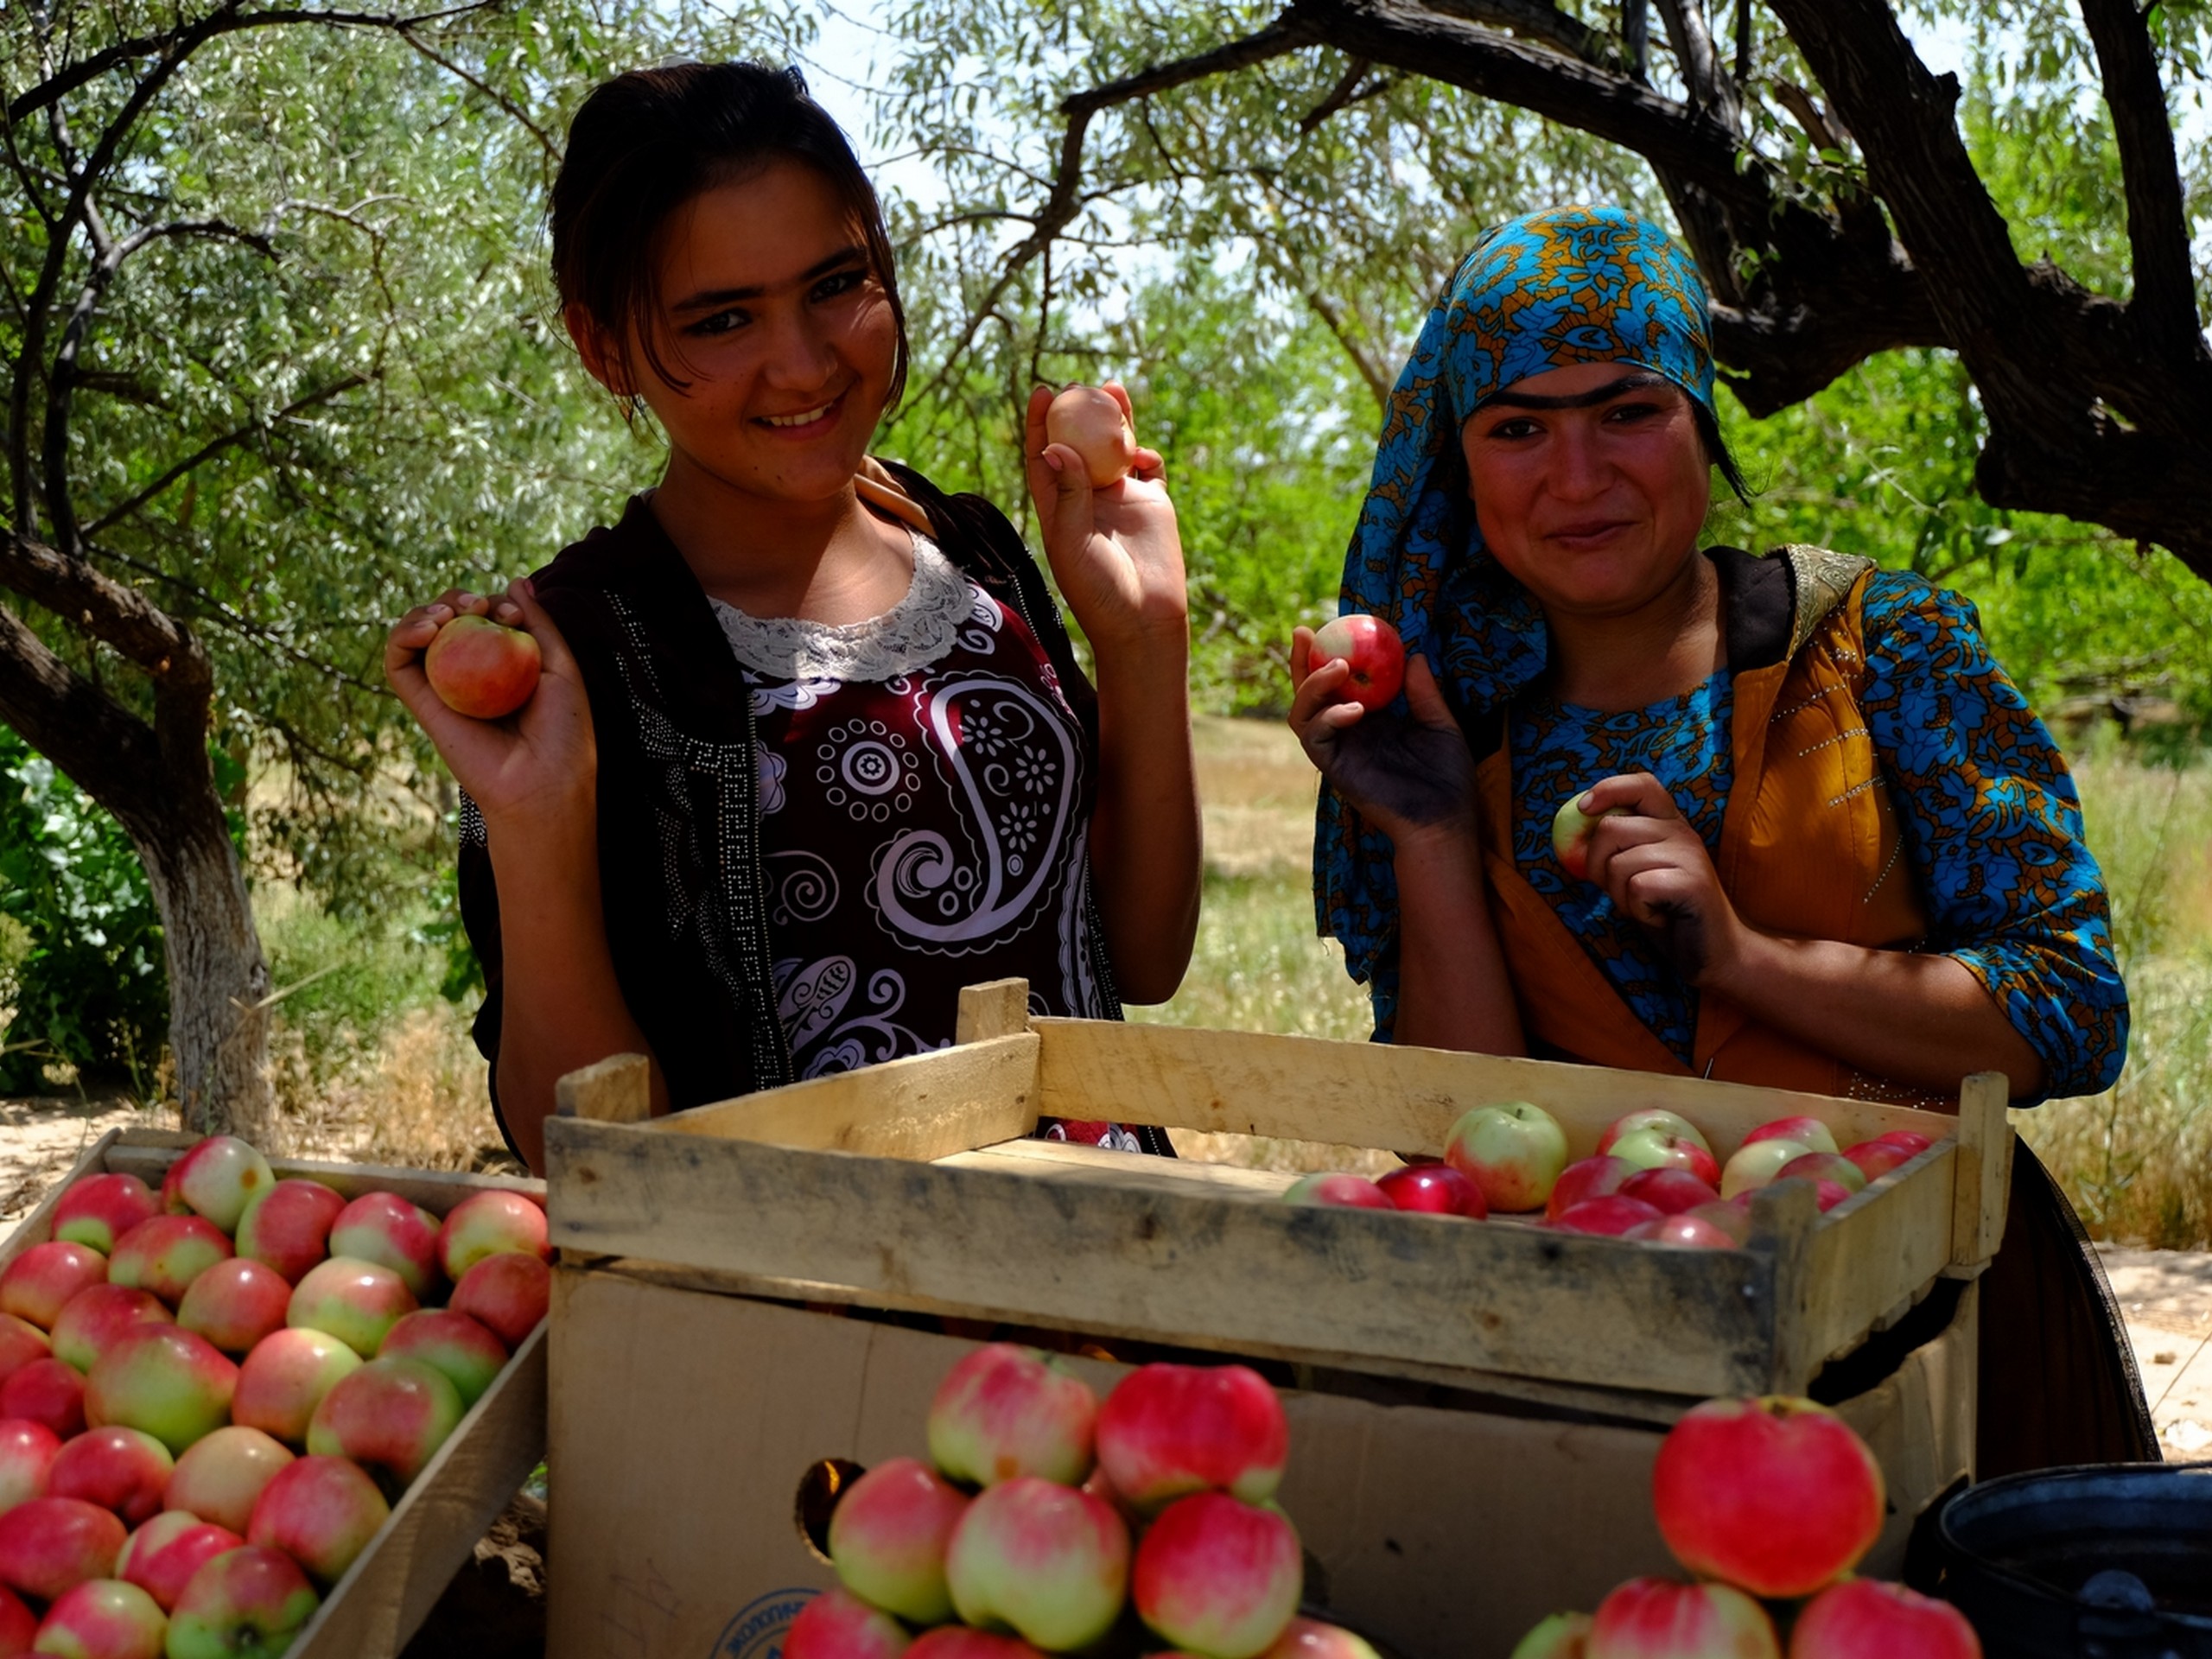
(888, 1537)
(391, 1417)
(1865, 1619)
(1673, 1191)
(384, 1228)
(448, 1340)
(838, 1624)
(1514, 1152)
(216, 1179)
(1562, 1635)
(1433, 1189)
(47, 1544)
(166, 1381)
(1585, 1178)
(235, 1304)
(1685, 1229)
(104, 1618)
(1046, 1560)
(1167, 1431)
(27, 1451)
(38, 1284)
(125, 1469)
(1756, 1163)
(1218, 1577)
(1004, 1411)
(1651, 1619)
(507, 1294)
(21, 1342)
(1336, 1190)
(166, 1254)
(1876, 1159)
(1732, 1216)
(1777, 1495)
(284, 1378)
(49, 1392)
(488, 1223)
(288, 1227)
(100, 1209)
(1309, 1638)
(99, 1316)
(322, 1512)
(220, 1479)
(251, 1602)
(357, 1302)
(958, 1642)
(18, 1624)
(1657, 1149)
(1652, 1117)
(1373, 648)
(1608, 1217)
(162, 1556)
(1808, 1132)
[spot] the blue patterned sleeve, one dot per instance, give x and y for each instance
(1993, 827)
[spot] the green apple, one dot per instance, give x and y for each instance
(248, 1603)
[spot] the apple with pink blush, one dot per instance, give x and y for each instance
(1046, 1560)
(104, 1618)
(254, 1600)
(1865, 1619)
(175, 1385)
(386, 1228)
(1562, 1635)
(21, 1342)
(489, 1223)
(38, 1284)
(1652, 1117)
(1807, 1132)
(391, 1417)
(125, 1469)
(284, 1378)
(448, 1340)
(288, 1227)
(100, 1209)
(322, 1512)
(166, 1254)
(1756, 1163)
(161, 1555)
(1657, 1149)
(216, 1179)
(1004, 1411)
(1433, 1189)
(838, 1624)
(99, 1316)
(481, 668)
(1337, 1190)
(1587, 1178)
(1824, 1166)
(357, 1302)
(958, 1642)
(1878, 1157)
(507, 1294)
(18, 1624)
(1652, 1618)
(1684, 1228)
(1609, 1217)
(1375, 653)
(1309, 1638)
(888, 1537)
(1671, 1190)
(235, 1304)
(50, 1392)
(1167, 1431)
(26, 1452)
(220, 1477)
(1217, 1576)
(1732, 1216)
(1514, 1152)
(47, 1544)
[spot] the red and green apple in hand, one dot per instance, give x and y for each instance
(483, 669)
(1372, 647)
(1571, 832)
(1090, 421)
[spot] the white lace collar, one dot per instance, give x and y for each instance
(911, 635)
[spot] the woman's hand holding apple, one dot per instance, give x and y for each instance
(1409, 775)
(1654, 865)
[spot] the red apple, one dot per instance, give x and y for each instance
(1167, 1431)
(125, 1469)
(1657, 1149)
(481, 668)
(1910, 1140)
(288, 1226)
(1090, 421)
(218, 1478)
(1650, 1618)
(26, 1452)
(171, 1384)
(1876, 1159)
(390, 1416)
(1587, 1178)
(1732, 1216)
(1670, 1190)
(1373, 648)
(1756, 1163)
(251, 1602)
(1808, 1132)
(448, 1340)
(1433, 1189)
(39, 1283)
(166, 1254)
(1571, 828)
(1608, 1217)
(1336, 1190)
(1777, 1495)
(21, 1342)
(47, 1544)
(1865, 1619)
(1562, 1635)
(97, 1318)
(838, 1624)
(507, 1294)
(1693, 1230)
(1824, 1166)
(1048, 1561)
(384, 1228)
(235, 1304)
(18, 1624)
(216, 1179)
(284, 1378)
(103, 1618)
(489, 1223)
(888, 1537)
(958, 1642)
(100, 1209)
(1650, 1117)
(1309, 1638)
(47, 1392)
(162, 1556)
(1513, 1152)
(355, 1301)
(1004, 1411)
(1218, 1577)
(322, 1512)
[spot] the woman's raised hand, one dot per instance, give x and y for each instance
(538, 769)
(1409, 775)
(1115, 551)
(1654, 865)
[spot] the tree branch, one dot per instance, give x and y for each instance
(1339, 95)
(107, 753)
(1534, 21)
(1692, 44)
(406, 33)
(2164, 300)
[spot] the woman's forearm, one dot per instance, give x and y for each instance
(1145, 833)
(1922, 1020)
(1452, 988)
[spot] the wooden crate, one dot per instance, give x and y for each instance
(911, 1186)
(388, 1591)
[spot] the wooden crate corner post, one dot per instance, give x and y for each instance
(998, 1008)
(1984, 1182)
(1783, 1218)
(616, 1089)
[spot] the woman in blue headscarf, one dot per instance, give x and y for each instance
(1833, 851)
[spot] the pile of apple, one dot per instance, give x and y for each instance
(1771, 1502)
(1653, 1175)
(210, 1396)
(1044, 1520)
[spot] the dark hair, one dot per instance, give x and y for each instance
(1717, 451)
(643, 144)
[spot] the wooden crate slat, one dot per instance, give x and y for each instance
(1896, 1234)
(434, 1190)
(1984, 1177)
(1098, 1165)
(1210, 1270)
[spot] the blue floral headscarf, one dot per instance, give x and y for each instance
(1562, 286)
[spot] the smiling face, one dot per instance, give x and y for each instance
(776, 340)
(1590, 483)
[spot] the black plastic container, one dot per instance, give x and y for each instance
(2104, 1561)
